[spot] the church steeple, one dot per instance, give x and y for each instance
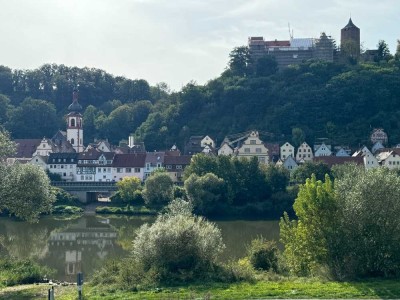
(75, 124)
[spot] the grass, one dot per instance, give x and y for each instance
(67, 209)
(287, 288)
(125, 210)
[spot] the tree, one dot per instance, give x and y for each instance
(397, 55)
(367, 239)
(344, 229)
(158, 189)
(305, 171)
(33, 119)
(266, 66)
(383, 51)
(4, 108)
(25, 191)
(178, 246)
(7, 147)
(277, 178)
(298, 136)
(239, 61)
(206, 192)
(306, 238)
(128, 188)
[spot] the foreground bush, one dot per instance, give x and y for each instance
(178, 246)
(13, 272)
(263, 254)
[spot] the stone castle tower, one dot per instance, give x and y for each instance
(75, 124)
(350, 40)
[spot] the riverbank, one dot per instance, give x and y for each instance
(287, 288)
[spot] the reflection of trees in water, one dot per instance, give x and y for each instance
(23, 240)
(126, 227)
(238, 234)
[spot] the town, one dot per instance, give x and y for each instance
(66, 156)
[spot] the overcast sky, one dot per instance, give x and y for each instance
(173, 41)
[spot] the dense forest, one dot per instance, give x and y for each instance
(340, 101)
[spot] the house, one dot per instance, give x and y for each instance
(286, 150)
(289, 163)
(154, 160)
(175, 165)
(102, 145)
(304, 153)
(225, 148)
(389, 158)
(343, 152)
(40, 161)
(207, 141)
(104, 168)
(25, 148)
(128, 165)
(377, 146)
(87, 164)
(63, 164)
(253, 146)
(322, 150)
(370, 160)
(45, 147)
(193, 146)
(379, 135)
(339, 160)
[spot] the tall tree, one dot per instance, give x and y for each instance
(239, 61)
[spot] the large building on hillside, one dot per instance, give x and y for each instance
(293, 51)
(298, 50)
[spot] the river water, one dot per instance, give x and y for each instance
(83, 244)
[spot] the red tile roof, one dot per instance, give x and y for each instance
(133, 160)
(26, 147)
(339, 160)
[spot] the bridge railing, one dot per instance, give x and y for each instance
(83, 184)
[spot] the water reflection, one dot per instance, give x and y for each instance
(82, 245)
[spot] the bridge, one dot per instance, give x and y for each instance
(86, 191)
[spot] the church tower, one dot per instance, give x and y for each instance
(350, 40)
(74, 124)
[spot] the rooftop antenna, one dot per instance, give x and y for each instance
(290, 32)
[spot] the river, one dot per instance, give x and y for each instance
(83, 244)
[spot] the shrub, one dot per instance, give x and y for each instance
(13, 272)
(263, 254)
(178, 247)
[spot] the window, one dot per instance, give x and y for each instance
(72, 160)
(82, 177)
(299, 150)
(258, 150)
(158, 165)
(246, 150)
(72, 122)
(128, 170)
(64, 174)
(119, 170)
(252, 142)
(283, 150)
(169, 167)
(62, 166)
(51, 166)
(178, 167)
(104, 170)
(72, 141)
(99, 170)
(64, 160)
(137, 170)
(261, 159)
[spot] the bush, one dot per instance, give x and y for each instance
(66, 209)
(178, 247)
(263, 254)
(13, 272)
(158, 189)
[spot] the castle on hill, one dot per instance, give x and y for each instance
(297, 50)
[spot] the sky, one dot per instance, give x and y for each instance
(173, 41)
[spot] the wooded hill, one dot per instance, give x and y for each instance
(341, 102)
